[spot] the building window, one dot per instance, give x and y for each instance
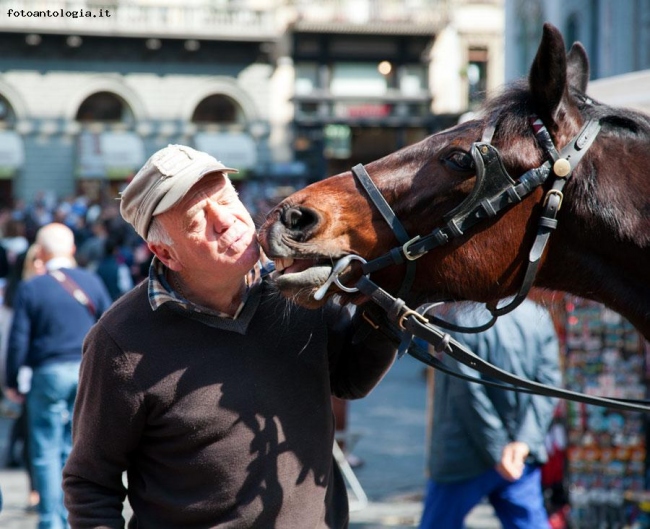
(572, 25)
(413, 80)
(358, 79)
(477, 76)
(306, 78)
(218, 108)
(104, 106)
(530, 18)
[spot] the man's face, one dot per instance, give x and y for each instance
(213, 233)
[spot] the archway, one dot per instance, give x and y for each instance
(218, 109)
(108, 152)
(104, 107)
(12, 153)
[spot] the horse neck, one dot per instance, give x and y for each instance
(601, 249)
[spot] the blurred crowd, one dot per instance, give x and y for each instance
(105, 243)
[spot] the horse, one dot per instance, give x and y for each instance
(598, 239)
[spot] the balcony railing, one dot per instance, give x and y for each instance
(170, 19)
(420, 13)
(240, 20)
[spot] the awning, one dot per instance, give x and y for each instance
(114, 155)
(233, 149)
(630, 90)
(12, 153)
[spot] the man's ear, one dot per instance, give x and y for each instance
(166, 255)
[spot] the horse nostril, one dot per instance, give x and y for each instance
(296, 218)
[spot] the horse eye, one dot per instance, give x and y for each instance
(459, 161)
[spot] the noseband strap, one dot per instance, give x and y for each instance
(389, 216)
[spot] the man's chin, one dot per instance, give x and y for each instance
(251, 255)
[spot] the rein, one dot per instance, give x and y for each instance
(493, 192)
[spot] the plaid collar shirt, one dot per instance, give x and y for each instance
(161, 292)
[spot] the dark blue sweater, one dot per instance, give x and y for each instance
(49, 325)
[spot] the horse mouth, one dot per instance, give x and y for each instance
(309, 282)
(300, 278)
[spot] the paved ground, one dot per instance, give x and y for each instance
(390, 428)
(391, 424)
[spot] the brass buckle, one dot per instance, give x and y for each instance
(370, 322)
(406, 252)
(559, 194)
(408, 313)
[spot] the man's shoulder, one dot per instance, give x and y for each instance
(35, 285)
(81, 273)
(127, 315)
(133, 304)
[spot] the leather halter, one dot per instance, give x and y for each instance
(493, 192)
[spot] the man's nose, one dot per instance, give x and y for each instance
(221, 217)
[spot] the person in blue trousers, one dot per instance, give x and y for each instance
(487, 442)
(53, 312)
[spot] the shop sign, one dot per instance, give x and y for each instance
(234, 149)
(114, 155)
(337, 141)
(369, 110)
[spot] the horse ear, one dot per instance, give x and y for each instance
(548, 75)
(578, 67)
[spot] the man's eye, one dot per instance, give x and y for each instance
(459, 161)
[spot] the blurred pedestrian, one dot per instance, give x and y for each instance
(93, 249)
(18, 453)
(4, 262)
(204, 385)
(113, 270)
(490, 442)
(52, 314)
(14, 239)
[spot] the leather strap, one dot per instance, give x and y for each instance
(508, 381)
(389, 216)
(72, 288)
(414, 323)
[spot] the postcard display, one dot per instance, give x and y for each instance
(606, 452)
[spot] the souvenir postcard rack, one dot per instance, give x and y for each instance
(606, 449)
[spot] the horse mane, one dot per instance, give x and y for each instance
(621, 122)
(514, 105)
(511, 110)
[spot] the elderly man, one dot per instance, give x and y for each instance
(211, 391)
(53, 312)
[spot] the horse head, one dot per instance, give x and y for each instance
(600, 250)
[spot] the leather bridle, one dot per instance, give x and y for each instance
(493, 192)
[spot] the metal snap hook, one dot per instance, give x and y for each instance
(337, 270)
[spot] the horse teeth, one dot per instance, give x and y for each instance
(281, 264)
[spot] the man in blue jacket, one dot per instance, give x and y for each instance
(52, 314)
(489, 442)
